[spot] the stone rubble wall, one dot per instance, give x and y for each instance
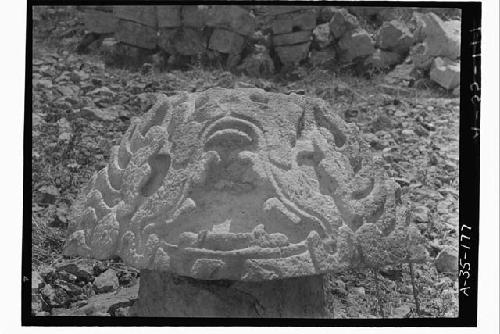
(297, 34)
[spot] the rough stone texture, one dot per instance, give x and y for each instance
(395, 36)
(447, 260)
(100, 22)
(233, 18)
(184, 41)
(107, 281)
(167, 295)
(342, 22)
(357, 43)
(445, 72)
(242, 184)
(292, 54)
(226, 41)
(136, 34)
(194, 16)
(145, 15)
(441, 38)
(288, 23)
(168, 16)
(383, 59)
(292, 38)
(322, 35)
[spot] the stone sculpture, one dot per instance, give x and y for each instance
(242, 185)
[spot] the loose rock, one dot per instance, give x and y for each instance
(445, 72)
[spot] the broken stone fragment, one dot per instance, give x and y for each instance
(341, 22)
(447, 261)
(445, 72)
(354, 44)
(441, 38)
(107, 281)
(394, 36)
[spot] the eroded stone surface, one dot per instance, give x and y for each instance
(242, 184)
(167, 295)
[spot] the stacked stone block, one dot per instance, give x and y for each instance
(137, 26)
(292, 29)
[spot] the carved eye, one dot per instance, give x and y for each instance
(159, 164)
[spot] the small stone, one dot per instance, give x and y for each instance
(447, 260)
(358, 290)
(407, 132)
(107, 281)
(401, 312)
(421, 214)
(445, 72)
(42, 83)
(82, 270)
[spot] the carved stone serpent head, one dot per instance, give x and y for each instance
(242, 184)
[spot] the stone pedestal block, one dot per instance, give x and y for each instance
(162, 294)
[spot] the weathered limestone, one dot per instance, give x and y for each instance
(168, 295)
(439, 39)
(292, 35)
(445, 72)
(354, 44)
(341, 22)
(166, 200)
(394, 36)
(246, 186)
